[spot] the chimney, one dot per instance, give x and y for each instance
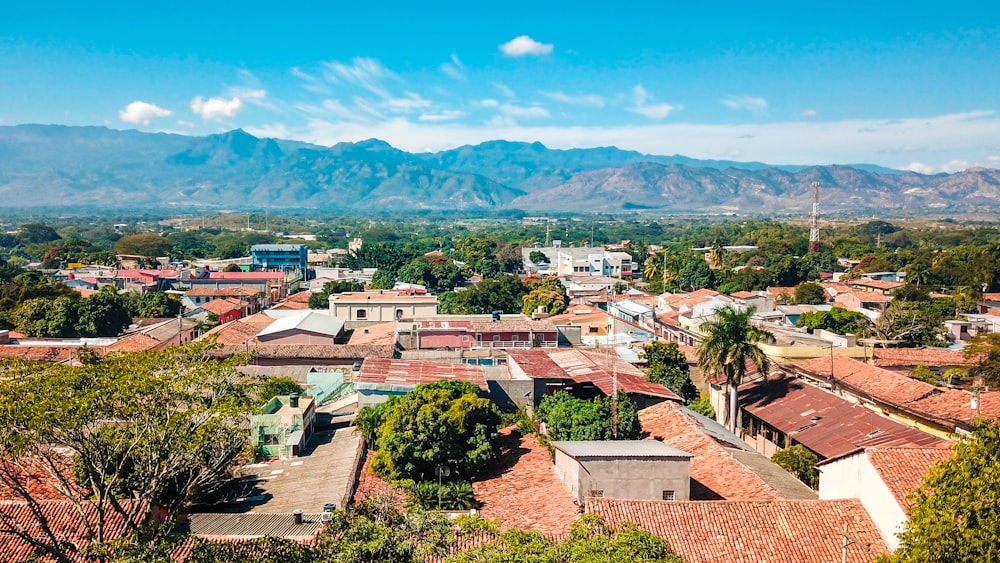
(293, 400)
(297, 515)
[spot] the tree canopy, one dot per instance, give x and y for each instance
(668, 366)
(572, 418)
(953, 517)
(439, 424)
(151, 428)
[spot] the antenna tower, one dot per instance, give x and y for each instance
(814, 220)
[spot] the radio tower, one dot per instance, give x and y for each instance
(814, 220)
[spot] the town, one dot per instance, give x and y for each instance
(723, 390)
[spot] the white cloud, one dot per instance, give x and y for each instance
(216, 108)
(141, 113)
(523, 112)
(588, 100)
(310, 82)
(454, 69)
(955, 166)
(748, 103)
(920, 168)
(407, 104)
(489, 103)
(504, 89)
(186, 124)
(368, 73)
(809, 113)
(523, 45)
(642, 106)
(446, 115)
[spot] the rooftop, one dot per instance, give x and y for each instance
(597, 367)
(903, 469)
(717, 472)
(306, 321)
(410, 373)
(64, 521)
(619, 448)
(384, 296)
(908, 357)
(789, 531)
(942, 405)
(821, 421)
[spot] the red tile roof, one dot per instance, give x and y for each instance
(415, 372)
(221, 306)
(35, 476)
(381, 333)
(137, 342)
(63, 518)
(937, 357)
(790, 531)
(41, 352)
(583, 366)
(943, 406)
(884, 285)
(789, 405)
(743, 294)
(213, 292)
(715, 475)
(903, 469)
(523, 490)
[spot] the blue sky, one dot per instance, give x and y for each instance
(908, 85)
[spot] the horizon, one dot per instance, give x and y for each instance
(791, 85)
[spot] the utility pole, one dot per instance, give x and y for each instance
(814, 220)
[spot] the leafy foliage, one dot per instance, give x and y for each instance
(925, 374)
(985, 351)
(590, 540)
(178, 430)
(440, 424)
(571, 418)
(428, 495)
(799, 461)
(953, 517)
(703, 406)
(808, 293)
(150, 245)
(545, 292)
(668, 366)
(730, 342)
(837, 319)
(321, 299)
(504, 293)
(538, 257)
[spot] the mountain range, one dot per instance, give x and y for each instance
(96, 167)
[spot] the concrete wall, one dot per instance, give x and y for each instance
(855, 477)
(298, 337)
(625, 478)
(381, 311)
(512, 393)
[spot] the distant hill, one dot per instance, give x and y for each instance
(58, 166)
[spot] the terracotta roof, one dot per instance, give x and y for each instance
(865, 296)
(41, 353)
(410, 373)
(213, 292)
(312, 351)
(790, 405)
(523, 491)
(715, 473)
(944, 406)
(587, 367)
(63, 518)
(389, 296)
(300, 297)
(381, 333)
(937, 357)
(743, 294)
(372, 486)
(137, 342)
(221, 306)
(790, 531)
(35, 475)
(781, 291)
(239, 331)
(875, 284)
(903, 469)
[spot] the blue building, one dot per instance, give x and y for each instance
(280, 257)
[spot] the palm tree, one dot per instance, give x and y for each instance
(917, 274)
(717, 255)
(730, 341)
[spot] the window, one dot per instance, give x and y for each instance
(597, 493)
(465, 338)
(515, 338)
(362, 314)
(593, 329)
(496, 338)
(270, 439)
(668, 495)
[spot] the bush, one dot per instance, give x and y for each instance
(702, 406)
(799, 461)
(440, 424)
(428, 495)
(925, 374)
(570, 418)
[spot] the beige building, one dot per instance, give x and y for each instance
(624, 469)
(381, 306)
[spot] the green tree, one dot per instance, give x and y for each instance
(837, 319)
(799, 461)
(590, 540)
(439, 424)
(321, 299)
(103, 314)
(504, 293)
(152, 304)
(985, 352)
(139, 430)
(509, 259)
(953, 517)
(538, 257)
(545, 292)
(808, 293)
(383, 278)
(730, 342)
(571, 418)
(150, 245)
(668, 366)
(35, 233)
